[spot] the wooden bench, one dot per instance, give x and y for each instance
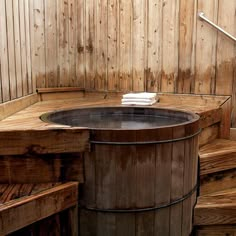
(22, 205)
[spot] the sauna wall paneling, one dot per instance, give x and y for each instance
(4, 54)
(15, 50)
(150, 45)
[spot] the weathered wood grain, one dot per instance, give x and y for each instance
(17, 48)
(225, 48)
(41, 168)
(213, 230)
(38, 50)
(209, 134)
(80, 47)
(125, 46)
(150, 45)
(11, 48)
(207, 43)
(138, 44)
(177, 184)
(101, 44)
(170, 48)
(37, 206)
(23, 46)
(31, 89)
(154, 46)
(90, 44)
(187, 51)
(217, 156)
(4, 73)
(72, 41)
(51, 43)
(63, 47)
(112, 45)
(218, 181)
(11, 107)
(163, 168)
(44, 141)
(216, 209)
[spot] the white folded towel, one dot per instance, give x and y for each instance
(141, 103)
(140, 95)
(138, 99)
(143, 99)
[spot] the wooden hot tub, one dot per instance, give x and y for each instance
(141, 172)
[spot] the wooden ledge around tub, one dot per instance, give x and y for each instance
(25, 204)
(24, 132)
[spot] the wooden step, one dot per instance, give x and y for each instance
(218, 181)
(216, 209)
(217, 166)
(219, 155)
(215, 230)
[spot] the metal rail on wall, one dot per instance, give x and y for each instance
(202, 16)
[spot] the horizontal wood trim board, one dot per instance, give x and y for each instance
(60, 89)
(44, 141)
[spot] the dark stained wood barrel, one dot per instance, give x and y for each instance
(140, 181)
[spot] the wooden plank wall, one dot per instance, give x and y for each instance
(117, 45)
(152, 45)
(15, 50)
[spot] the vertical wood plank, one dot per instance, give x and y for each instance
(90, 45)
(101, 47)
(72, 18)
(206, 49)
(72, 221)
(125, 45)
(145, 190)
(105, 189)
(187, 186)
(11, 49)
(51, 35)
(177, 181)
(225, 48)
(23, 47)
(170, 51)
(28, 48)
(32, 44)
(126, 188)
(63, 47)
(19, 86)
(38, 57)
(4, 75)
(195, 149)
(0, 85)
(138, 44)
(80, 50)
(88, 220)
(186, 46)
(154, 45)
(163, 188)
(112, 41)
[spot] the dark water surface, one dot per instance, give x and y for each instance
(114, 121)
(116, 118)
